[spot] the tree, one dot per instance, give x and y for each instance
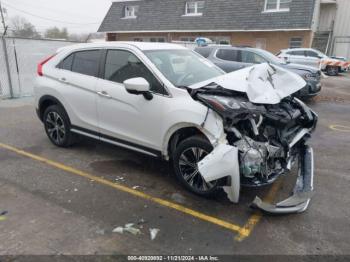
(56, 33)
(21, 27)
(78, 37)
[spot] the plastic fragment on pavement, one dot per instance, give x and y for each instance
(153, 233)
(118, 230)
(127, 228)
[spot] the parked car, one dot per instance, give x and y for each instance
(344, 68)
(234, 58)
(163, 100)
(311, 57)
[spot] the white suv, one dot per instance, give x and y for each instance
(311, 57)
(166, 101)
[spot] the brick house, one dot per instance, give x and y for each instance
(267, 24)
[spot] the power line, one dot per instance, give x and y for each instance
(46, 18)
(52, 10)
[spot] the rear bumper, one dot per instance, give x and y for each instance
(302, 192)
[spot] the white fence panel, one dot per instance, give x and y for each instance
(24, 55)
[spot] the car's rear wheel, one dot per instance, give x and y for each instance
(332, 70)
(185, 161)
(57, 126)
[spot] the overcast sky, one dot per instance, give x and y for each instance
(79, 16)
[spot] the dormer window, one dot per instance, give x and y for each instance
(277, 5)
(194, 8)
(130, 11)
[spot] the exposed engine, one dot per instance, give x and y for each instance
(268, 137)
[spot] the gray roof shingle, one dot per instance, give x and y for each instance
(229, 15)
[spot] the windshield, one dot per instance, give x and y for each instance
(271, 58)
(183, 67)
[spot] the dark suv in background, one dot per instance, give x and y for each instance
(231, 59)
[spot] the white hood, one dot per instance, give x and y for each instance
(264, 84)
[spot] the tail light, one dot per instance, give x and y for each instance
(41, 64)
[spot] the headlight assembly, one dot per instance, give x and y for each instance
(225, 104)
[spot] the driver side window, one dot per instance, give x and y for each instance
(252, 58)
(311, 54)
(122, 65)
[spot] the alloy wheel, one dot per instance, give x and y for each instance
(55, 127)
(188, 164)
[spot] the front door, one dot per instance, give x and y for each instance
(127, 119)
(298, 57)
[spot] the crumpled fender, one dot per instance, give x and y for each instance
(222, 162)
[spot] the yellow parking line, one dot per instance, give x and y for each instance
(243, 232)
(256, 217)
(340, 128)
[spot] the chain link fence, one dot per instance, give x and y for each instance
(23, 57)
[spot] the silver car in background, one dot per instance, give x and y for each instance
(312, 57)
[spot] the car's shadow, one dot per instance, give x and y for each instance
(155, 177)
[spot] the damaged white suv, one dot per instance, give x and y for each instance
(220, 130)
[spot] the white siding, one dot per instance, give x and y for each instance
(327, 16)
(342, 21)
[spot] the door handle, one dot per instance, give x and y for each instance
(104, 94)
(63, 79)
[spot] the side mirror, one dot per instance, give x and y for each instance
(138, 86)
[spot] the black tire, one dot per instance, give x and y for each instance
(184, 172)
(57, 126)
(332, 70)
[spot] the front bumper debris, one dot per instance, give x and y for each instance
(302, 192)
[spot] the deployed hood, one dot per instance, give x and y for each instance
(263, 83)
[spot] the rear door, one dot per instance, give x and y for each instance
(78, 78)
(229, 60)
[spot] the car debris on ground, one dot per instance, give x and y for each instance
(127, 228)
(153, 233)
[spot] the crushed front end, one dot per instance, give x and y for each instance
(268, 138)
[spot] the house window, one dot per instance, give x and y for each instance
(194, 8)
(277, 5)
(148, 39)
(157, 39)
(187, 39)
(295, 42)
(130, 11)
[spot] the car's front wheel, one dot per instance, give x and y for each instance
(185, 160)
(332, 70)
(57, 126)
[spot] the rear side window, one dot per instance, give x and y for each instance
(122, 65)
(205, 52)
(229, 55)
(86, 62)
(67, 63)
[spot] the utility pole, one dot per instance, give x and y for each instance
(5, 51)
(2, 18)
